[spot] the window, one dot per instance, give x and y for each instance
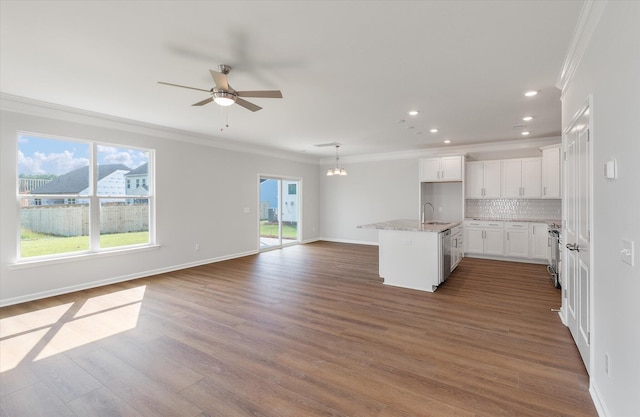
(74, 196)
(292, 188)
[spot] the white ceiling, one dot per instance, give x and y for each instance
(348, 70)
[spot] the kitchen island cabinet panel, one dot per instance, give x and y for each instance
(410, 259)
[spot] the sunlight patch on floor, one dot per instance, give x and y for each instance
(43, 333)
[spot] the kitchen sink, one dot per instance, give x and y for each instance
(437, 223)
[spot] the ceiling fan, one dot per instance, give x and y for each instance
(224, 95)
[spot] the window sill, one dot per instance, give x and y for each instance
(28, 263)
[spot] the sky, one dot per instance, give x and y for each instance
(38, 155)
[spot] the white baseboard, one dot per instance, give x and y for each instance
(114, 280)
(506, 258)
(597, 400)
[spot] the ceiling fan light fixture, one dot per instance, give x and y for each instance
(224, 98)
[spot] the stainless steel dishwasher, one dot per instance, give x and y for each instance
(445, 251)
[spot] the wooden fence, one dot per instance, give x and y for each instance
(73, 220)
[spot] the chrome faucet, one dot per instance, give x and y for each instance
(424, 209)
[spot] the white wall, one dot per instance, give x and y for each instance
(610, 72)
(201, 195)
(372, 192)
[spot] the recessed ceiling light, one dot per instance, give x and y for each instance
(410, 127)
(400, 121)
(413, 113)
(530, 93)
(434, 131)
(447, 141)
(418, 133)
(525, 133)
(527, 118)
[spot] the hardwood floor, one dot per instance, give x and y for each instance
(309, 330)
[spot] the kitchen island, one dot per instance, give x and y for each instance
(411, 253)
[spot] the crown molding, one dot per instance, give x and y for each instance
(587, 23)
(532, 143)
(17, 104)
(32, 107)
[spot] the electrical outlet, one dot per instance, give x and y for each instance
(197, 247)
(247, 210)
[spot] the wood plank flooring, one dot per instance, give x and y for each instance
(308, 330)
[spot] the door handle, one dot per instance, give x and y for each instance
(573, 247)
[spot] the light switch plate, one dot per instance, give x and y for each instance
(610, 170)
(626, 252)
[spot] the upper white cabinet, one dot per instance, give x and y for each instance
(521, 178)
(444, 168)
(551, 161)
(482, 179)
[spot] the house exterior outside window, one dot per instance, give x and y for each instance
(84, 205)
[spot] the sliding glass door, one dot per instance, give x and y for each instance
(279, 212)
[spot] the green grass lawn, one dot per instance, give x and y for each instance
(271, 230)
(37, 244)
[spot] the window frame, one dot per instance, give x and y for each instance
(95, 201)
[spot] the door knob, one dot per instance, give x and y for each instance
(573, 247)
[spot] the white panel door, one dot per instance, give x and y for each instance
(578, 234)
(494, 242)
(429, 169)
(517, 243)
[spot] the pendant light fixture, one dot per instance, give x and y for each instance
(337, 170)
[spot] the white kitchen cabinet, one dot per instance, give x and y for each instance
(484, 237)
(482, 179)
(551, 168)
(444, 168)
(521, 178)
(516, 239)
(456, 246)
(539, 243)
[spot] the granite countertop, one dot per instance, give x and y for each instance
(554, 222)
(498, 219)
(411, 225)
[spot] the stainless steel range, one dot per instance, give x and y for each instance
(554, 266)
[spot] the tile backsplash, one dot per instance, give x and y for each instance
(514, 209)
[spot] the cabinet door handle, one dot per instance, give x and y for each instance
(544, 190)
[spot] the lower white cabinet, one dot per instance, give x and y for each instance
(484, 237)
(539, 242)
(516, 239)
(457, 246)
(521, 240)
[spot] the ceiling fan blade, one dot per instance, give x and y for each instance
(183, 86)
(220, 79)
(262, 94)
(247, 105)
(203, 102)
